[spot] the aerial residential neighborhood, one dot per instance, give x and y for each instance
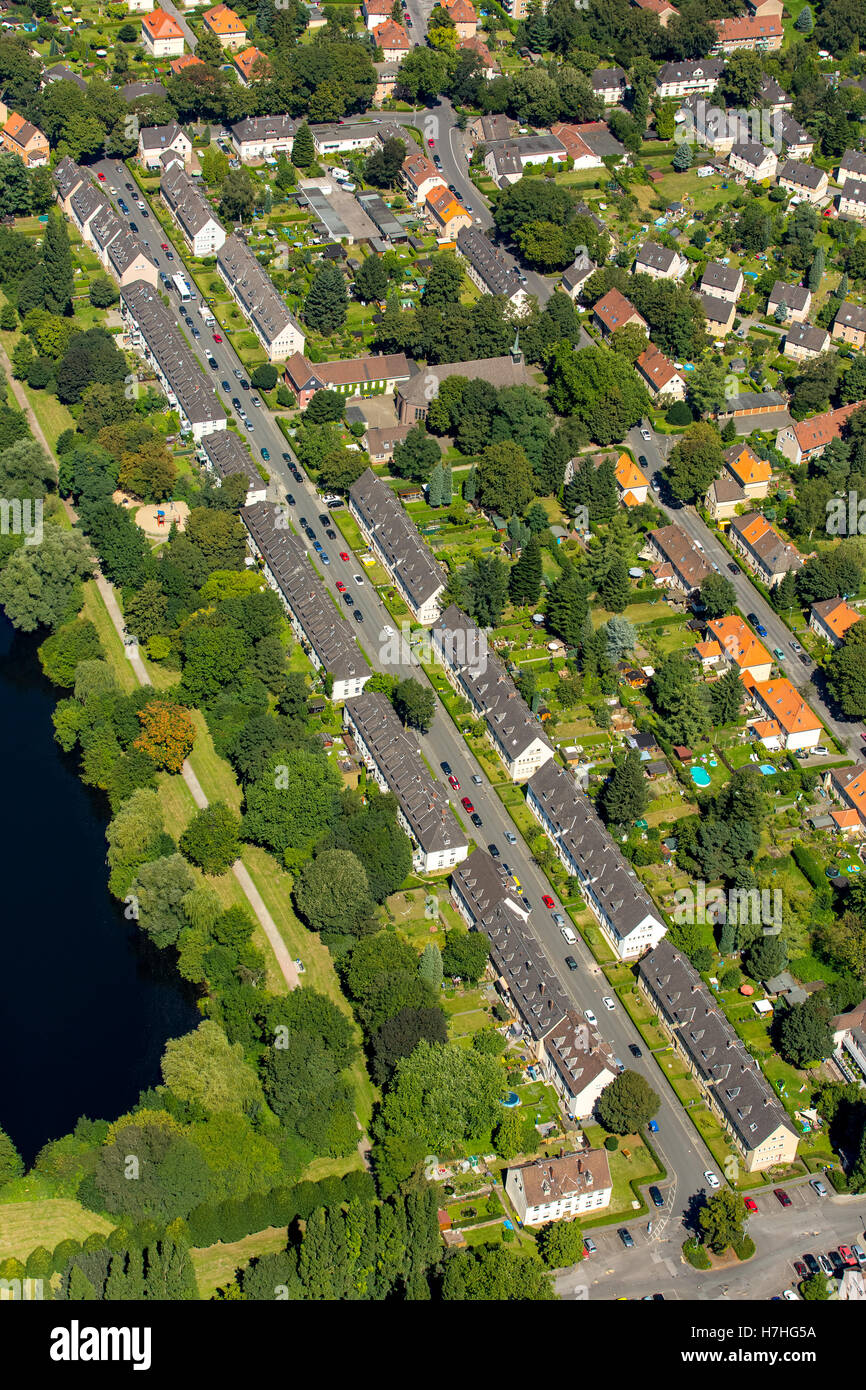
(432, 567)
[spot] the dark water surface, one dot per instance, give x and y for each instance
(86, 1004)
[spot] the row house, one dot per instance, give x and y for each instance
(764, 550)
(481, 678)
(660, 262)
(808, 439)
(85, 203)
(803, 341)
(763, 34)
(848, 786)
(804, 180)
(192, 212)
(796, 299)
(392, 756)
(754, 474)
(557, 1189)
(68, 176)
(488, 268)
(849, 325)
(678, 562)
(626, 913)
(127, 260)
(446, 215)
(345, 137)
(660, 375)
(321, 630)
(851, 202)
(253, 289)
(730, 1079)
(506, 160)
(152, 332)
(570, 1051)
(224, 455)
(797, 142)
(420, 176)
(393, 538)
(832, 620)
(263, 137)
(786, 721)
(374, 375)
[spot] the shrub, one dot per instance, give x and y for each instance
(696, 1254)
(838, 1179)
(744, 1249)
(679, 414)
(611, 1143)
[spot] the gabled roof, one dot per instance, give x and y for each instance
(246, 60)
(738, 642)
(837, 615)
(160, 25)
(743, 462)
(796, 297)
(614, 310)
(391, 35)
(786, 705)
(817, 432)
(223, 21)
(718, 276)
(658, 370)
(801, 175)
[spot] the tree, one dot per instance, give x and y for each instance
(742, 80)
(444, 279)
(524, 581)
(804, 24)
(504, 478)
(567, 607)
(614, 589)
(623, 798)
(293, 804)
(103, 292)
(706, 388)
(718, 596)
(11, 1163)
(325, 305)
(303, 148)
(722, 1219)
(371, 280)
(683, 158)
(264, 377)
(846, 671)
(332, 893)
(430, 966)
(560, 1244)
(212, 838)
(816, 270)
(598, 388)
(620, 637)
(57, 266)
(440, 1096)
(400, 1035)
(491, 1273)
(696, 460)
(416, 455)
(205, 1069)
(145, 610)
(767, 957)
(804, 1035)
(465, 954)
(159, 888)
(815, 1289)
(627, 1104)
(237, 196)
(168, 734)
(415, 704)
(40, 585)
(726, 698)
(383, 166)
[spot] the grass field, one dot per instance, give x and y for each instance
(216, 1264)
(24, 1225)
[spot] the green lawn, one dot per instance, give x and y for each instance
(47, 1221)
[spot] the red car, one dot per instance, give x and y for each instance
(163, 246)
(848, 1256)
(454, 783)
(217, 337)
(343, 555)
(101, 177)
(341, 588)
(467, 805)
(431, 143)
(547, 900)
(750, 1204)
(782, 1196)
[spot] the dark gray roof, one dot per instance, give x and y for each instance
(852, 316)
(61, 73)
(854, 190)
(86, 201)
(105, 227)
(794, 296)
(751, 152)
(715, 1050)
(789, 130)
(709, 68)
(488, 263)
(805, 335)
(655, 256)
(422, 799)
(804, 175)
(159, 137)
(67, 176)
(487, 684)
(718, 276)
(603, 871)
(717, 310)
(189, 206)
(499, 371)
(381, 215)
(137, 91)
(606, 79)
(196, 396)
(264, 128)
(855, 161)
(256, 291)
(577, 273)
(397, 537)
(304, 593)
(228, 456)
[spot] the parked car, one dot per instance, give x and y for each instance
(800, 1270)
(750, 1204)
(778, 654)
(795, 646)
(805, 660)
(341, 588)
(818, 1186)
(493, 850)
(467, 804)
(547, 900)
(477, 821)
(712, 1180)
(790, 1296)
(645, 434)
(590, 1017)
(358, 615)
(560, 921)
(349, 600)
(290, 499)
(266, 455)
(733, 567)
(626, 1238)
(225, 386)
(836, 1261)
(589, 1245)
(848, 1256)
(825, 1264)
(656, 1197)
(511, 838)
(608, 1003)
(446, 768)
(781, 1195)
(859, 1255)
(811, 1264)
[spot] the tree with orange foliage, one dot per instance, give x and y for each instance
(167, 735)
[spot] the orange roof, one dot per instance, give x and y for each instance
(615, 310)
(766, 728)
(708, 651)
(391, 35)
(747, 467)
(848, 819)
(785, 704)
(739, 642)
(445, 205)
(161, 25)
(755, 529)
(837, 615)
(244, 61)
(817, 432)
(186, 60)
(222, 20)
(657, 368)
(477, 45)
(630, 500)
(747, 27)
(461, 11)
(576, 147)
(855, 789)
(628, 475)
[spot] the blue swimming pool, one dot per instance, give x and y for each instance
(510, 1100)
(768, 769)
(699, 776)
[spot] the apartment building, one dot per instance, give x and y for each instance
(571, 1052)
(719, 314)
(253, 289)
(763, 34)
(488, 268)
(322, 631)
(481, 678)
(679, 564)
(851, 202)
(393, 41)
(849, 1043)
(730, 1079)
(420, 176)
(724, 495)
(808, 439)
(377, 374)
(796, 300)
(375, 12)
(852, 168)
(832, 619)
(127, 260)
(786, 721)
(763, 548)
(753, 160)
(345, 137)
(741, 647)
(722, 281)
(557, 1189)
(226, 26)
(151, 331)
(804, 180)
(67, 177)
(263, 137)
(224, 455)
(394, 540)
(613, 892)
(803, 341)
(660, 374)
(21, 137)
(614, 311)
(391, 755)
(192, 212)
(162, 35)
(687, 78)
(754, 474)
(660, 262)
(849, 325)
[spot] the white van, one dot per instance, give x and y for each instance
(568, 935)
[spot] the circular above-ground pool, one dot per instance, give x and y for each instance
(511, 1100)
(699, 776)
(768, 769)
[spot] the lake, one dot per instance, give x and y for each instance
(86, 1003)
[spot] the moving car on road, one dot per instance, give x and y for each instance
(467, 804)
(590, 1017)
(571, 962)
(343, 555)
(454, 782)
(547, 900)
(608, 1003)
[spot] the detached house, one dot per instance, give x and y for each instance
(803, 342)
(723, 497)
(464, 17)
(787, 720)
(614, 311)
(445, 214)
(263, 137)
(741, 647)
(162, 35)
(610, 84)
(796, 299)
(575, 277)
(420, 176)
(553, 1189)
(763, 548)
(393, 41)
(632, 484)
(805, 180)
(226, 26)
(719, 313)
(832, 619)
(660, 262)
(252, 66)
(660, 374)
(851, 201)
(849, 325)
(375, 12)
(663, 9)
(751, 472)
(156, 140)
(722, 281)
(21, 137)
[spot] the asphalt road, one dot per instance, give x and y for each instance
(682, 1151)
(808, 679)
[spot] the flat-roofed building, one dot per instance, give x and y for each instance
(392, 756)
